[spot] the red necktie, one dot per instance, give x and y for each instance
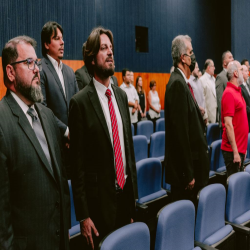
(116, 142)
(191, 90)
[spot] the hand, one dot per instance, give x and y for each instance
(87, 226)
(144, 114)
(245, 156)
(133, 111)
(67, 143)
(136, 106)
(202, 111)
(190, 185)
(205, 121)
(131, 221)
(237, 159)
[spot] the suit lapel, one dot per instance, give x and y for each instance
(53, 71)
(49, 136)
(29, 132)
(66, 85)
(93, 96)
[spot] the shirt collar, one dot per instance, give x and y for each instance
(229, 84)
(208, 75)
(225, 70)
(185, 78)
(101, 88)
(54, 62)
(193, 78)
(22, 105)
(125, 85)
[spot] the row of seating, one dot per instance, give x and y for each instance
(212, 228)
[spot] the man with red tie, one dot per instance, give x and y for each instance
(102, 152)
(186, 152)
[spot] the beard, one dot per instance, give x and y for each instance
(32, 93)
(104, 72)
(240, 80)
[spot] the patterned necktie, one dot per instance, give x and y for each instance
(116, 142)
(191, 90)
(39, 133)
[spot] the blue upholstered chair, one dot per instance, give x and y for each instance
(145, 128)
(217, 163)
(247, 160)
(160, 125)
(162, 113)
(132, 236)
(157, 145)
(132, 129)
(213, 133)
(75, 226)
(175, 226)
(210, 226)
(247, 169)
(238, 207)
(140, 147)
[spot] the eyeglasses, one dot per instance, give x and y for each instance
(31, 63)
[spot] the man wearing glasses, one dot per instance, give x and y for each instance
(58, 81)
(34, 204)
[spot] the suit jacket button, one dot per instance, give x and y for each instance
(57, 233)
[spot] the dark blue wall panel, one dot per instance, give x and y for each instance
(202, 20)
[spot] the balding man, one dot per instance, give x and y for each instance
(234, 121)
(246, 91)
(246, 63)
(208, 84)
(221, 80)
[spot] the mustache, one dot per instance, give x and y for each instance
(36, 75)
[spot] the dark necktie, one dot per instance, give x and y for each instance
(116, 142)
(39, 133)
(191, 90)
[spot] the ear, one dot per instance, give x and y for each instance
(11, 74)
(182, 58)
(46, 46)
(93, 61)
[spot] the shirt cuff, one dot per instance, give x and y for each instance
(66, 132)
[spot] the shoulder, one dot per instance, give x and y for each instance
(119, 91)
(67, 69)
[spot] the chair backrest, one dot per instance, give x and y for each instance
(213, 133)
(157, 144)
(217, 159)
(175, 226)
(148, 176)
(247, 169)
(160, 125)
(132, 129)
(132, 236)
(140, 147)
(75, 227)
(238, 196)
(145, 128)
(162, 113)
(248, 146)
(211, 211)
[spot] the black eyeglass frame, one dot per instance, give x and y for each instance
(29, 61)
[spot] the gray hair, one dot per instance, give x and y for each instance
(179, 47)
(208, 62)
(10, 54)
(231, 68)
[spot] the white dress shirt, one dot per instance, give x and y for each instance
(101, 90)
(24, 107)
(132, 97)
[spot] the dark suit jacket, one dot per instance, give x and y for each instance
(186, 151)
(34, 200)
(53, 94)
(92, 158)
(220, 83)
(82, 76)
(247, 100)
(114, 80)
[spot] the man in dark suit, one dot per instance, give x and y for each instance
(34, 205)
(83, 77)
(246, 92)
(58, 81)
(221, 81)
(102, 153)
(186, 152)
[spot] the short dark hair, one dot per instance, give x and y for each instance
(243, 61)
(152, 83)
(224, 55)
(93, 46)
(48, 30)
(10, 53)
(83, 49)
(124, 71)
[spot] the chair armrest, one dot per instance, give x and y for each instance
(157, 199)
(203, 246)
(220, 173)
(141, 207)
(239, 228)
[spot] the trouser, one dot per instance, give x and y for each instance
(232, 167)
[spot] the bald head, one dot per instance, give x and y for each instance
(234, 73)
(245, 72)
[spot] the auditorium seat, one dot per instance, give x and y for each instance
(75, 226)
(140, 147)
(157, 145)
(174, 227)
(132, 129)
(238, 208)
(247, 160)
(247, 169)
(160, 125)
(145, 128)
(151, 197)
(162, 113)
(217, 163)
(210, 226)
(132, 236)
(213, 133)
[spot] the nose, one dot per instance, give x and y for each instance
(110, 51)
(62, 42)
